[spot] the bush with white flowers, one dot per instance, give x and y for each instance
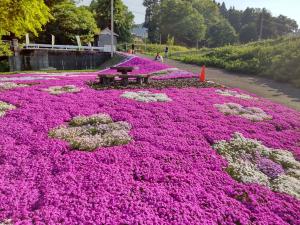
(6, 222)
(252, 113)
(4, 107)
(146, 96)
(231, 93)
(249, 161)
(91, 132)
(11, 85)
(57, 90)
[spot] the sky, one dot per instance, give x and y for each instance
(288, 8)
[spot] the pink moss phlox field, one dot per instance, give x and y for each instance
(168, 174)
(142, 66)
(180, 74)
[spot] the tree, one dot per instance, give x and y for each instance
(208, 9)
(123, 18)
(20, 17)
(188, 29)
(221, 33)
(250, 15)
(223, 10)
(248, 33)
(69, 21)
(234, 17)
(152, 19)
(284, 25)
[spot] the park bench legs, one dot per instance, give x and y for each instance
(146, 80)
(125, 81)
(106, 80)
(139, 80)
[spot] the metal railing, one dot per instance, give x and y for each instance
(63, 47)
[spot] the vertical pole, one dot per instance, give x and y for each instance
(160, 39)
(112, 28)
(261, 26)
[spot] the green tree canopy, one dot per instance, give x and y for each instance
(248, 33)
(69, 21)
(151, 20)
(20, 17)
(123, 18)
(254, 23)
(188, 21)
(221, 33)
(188, 29)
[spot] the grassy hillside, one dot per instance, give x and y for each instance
(152, 49)
(277, 59)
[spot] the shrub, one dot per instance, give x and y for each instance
(277, 59)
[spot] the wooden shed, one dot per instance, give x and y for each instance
(104, 39)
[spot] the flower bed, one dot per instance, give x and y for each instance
(92, 132)
(168, 173)
(11, 85)
(251, 162)
(5, 107)
(251, 113)
(146, 96)
(57, 90)
(231, 93)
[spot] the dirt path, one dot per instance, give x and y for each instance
(282, 93)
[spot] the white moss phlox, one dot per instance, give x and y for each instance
(91, 132)
(4, 107)
(57, 90)
(251, 113)
(243, 156)
(231, 93)
(146, 96)
(6, 222)
(11, 85)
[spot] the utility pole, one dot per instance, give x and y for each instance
(160, 39)
(261, 25)
(112, 28)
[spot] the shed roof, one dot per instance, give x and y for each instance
(108, 31)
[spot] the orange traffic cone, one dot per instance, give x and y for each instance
(202, 75)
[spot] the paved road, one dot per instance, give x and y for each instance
(282, 93)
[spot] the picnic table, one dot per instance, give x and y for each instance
(124, 77)
(109, 79)
(123, 69)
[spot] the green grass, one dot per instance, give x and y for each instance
(153, 49)
(276, 59)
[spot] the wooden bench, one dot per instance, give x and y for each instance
(123, 69)
(109, 79)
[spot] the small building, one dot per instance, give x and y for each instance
(104, 40)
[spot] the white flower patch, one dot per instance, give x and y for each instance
(57, 90)
(231, 93)
(4, 107)
(249, 161)
(91, 132)
(146, 96)
(25, 78)
(251, 113)
(11, 85)
(6, 222)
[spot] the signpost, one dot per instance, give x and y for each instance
(52, 40)
(78, 41)
(27, 39)
(112, 28)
